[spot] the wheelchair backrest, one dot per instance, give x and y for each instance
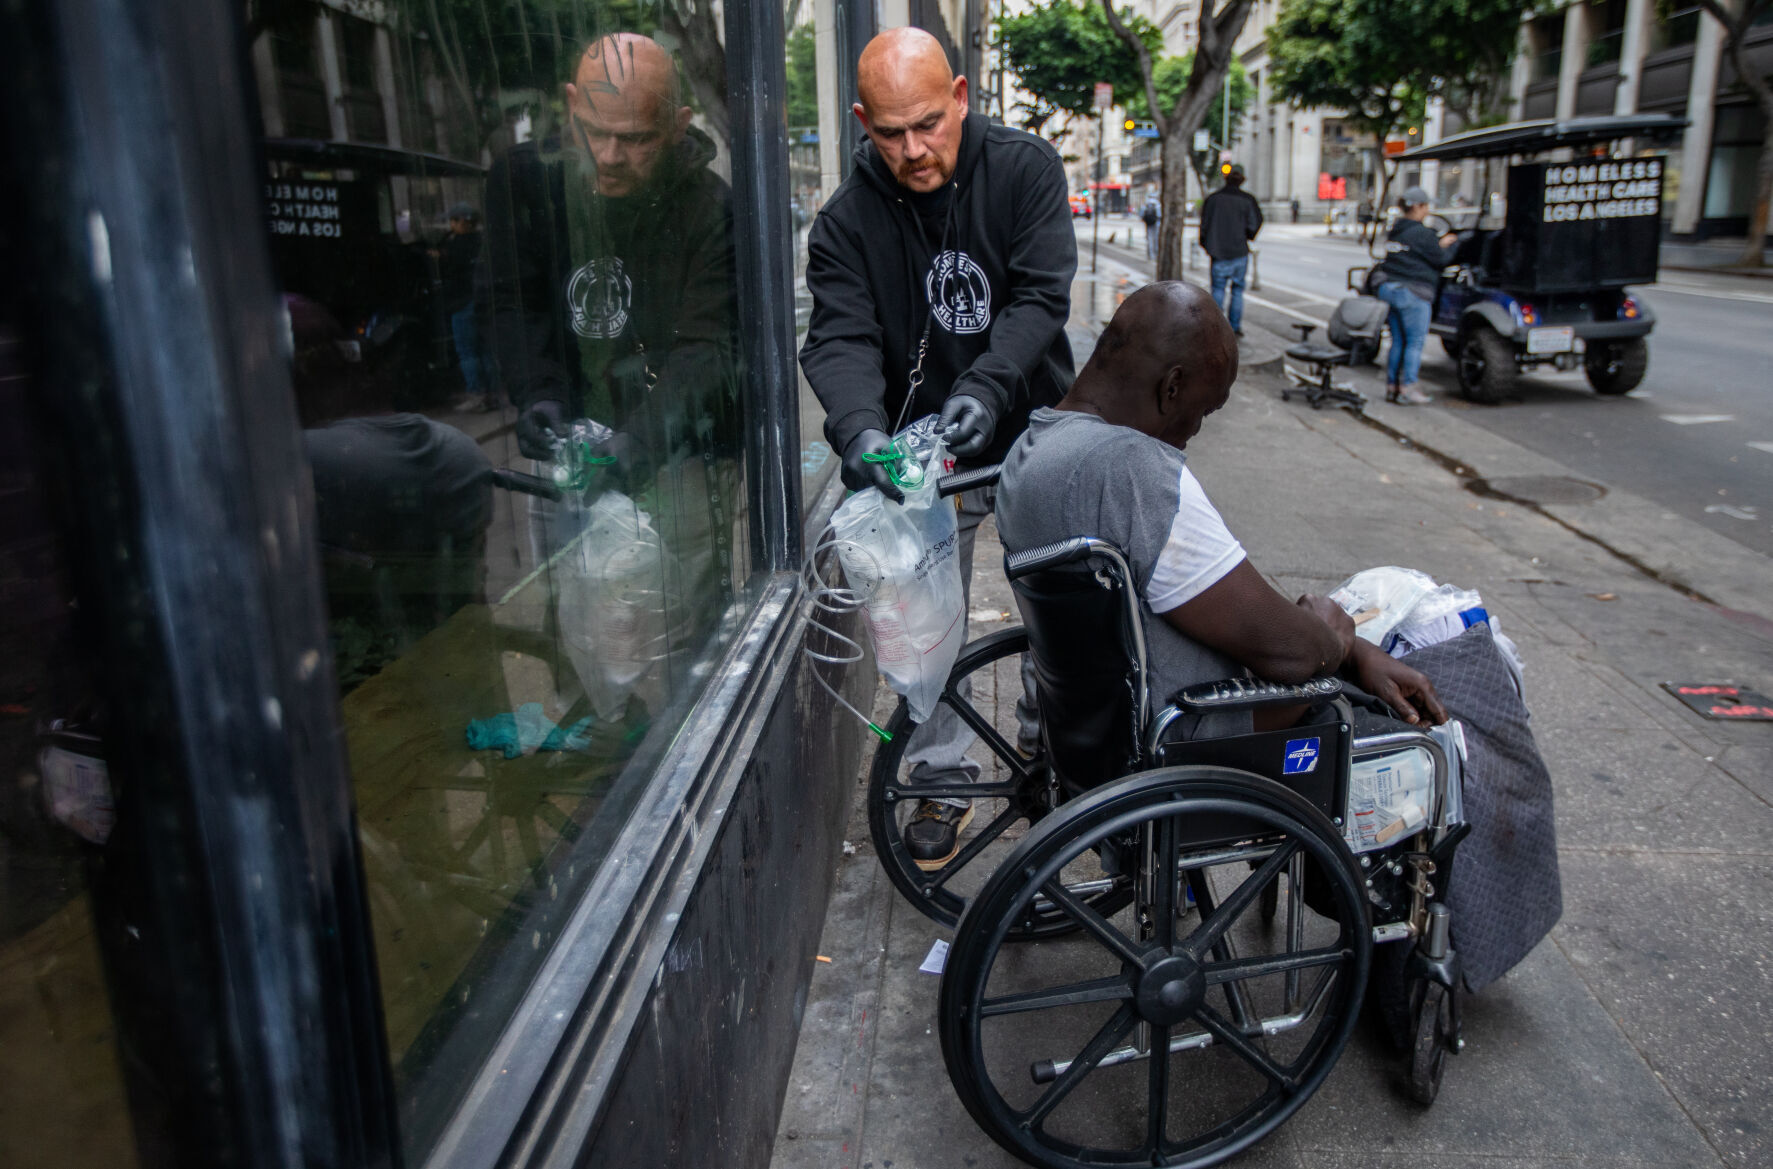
(1081, 612)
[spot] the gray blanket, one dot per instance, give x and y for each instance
(1504, 894)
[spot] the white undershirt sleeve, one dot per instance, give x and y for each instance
(1198, 553)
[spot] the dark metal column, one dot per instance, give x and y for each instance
(229, 901)
(763, 234)
(856, 26)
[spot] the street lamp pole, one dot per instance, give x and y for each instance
(1096, 196)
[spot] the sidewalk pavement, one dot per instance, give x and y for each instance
(1637, 1033)
(1711, 255)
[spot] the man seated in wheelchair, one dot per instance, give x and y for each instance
(1108, 462)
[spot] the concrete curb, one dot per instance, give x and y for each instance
(1650, 538)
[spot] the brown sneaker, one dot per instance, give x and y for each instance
(933, 835)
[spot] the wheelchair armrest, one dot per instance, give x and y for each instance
(1020, 564)
(967, 480)
(1305, 332)
(1252, 694)
(520, 481)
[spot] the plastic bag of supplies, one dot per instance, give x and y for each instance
(902, 561)
(612, 608)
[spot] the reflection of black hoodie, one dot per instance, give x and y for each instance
(998, 261)
(621, 309)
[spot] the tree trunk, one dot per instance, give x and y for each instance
(1383, 178)
(1173, 151)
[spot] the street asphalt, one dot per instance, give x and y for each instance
(1696, 437)
(1637, 1033)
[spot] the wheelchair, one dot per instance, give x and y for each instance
(1127, 891)
(1360, 321)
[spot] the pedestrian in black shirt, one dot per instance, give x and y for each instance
(1229, 220)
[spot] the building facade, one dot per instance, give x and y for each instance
(1634, 56)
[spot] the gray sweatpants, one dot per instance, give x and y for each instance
(939, 747)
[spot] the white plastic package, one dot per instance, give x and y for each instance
(1401, 610)
(612, 607)
(1379, 599)
(1390, 796)
(902, 560)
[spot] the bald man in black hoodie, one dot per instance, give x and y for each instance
(941, 272)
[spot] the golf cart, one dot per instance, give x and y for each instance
(335, 215)
(1548, 285)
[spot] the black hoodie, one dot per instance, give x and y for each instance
(995, 247)
(621, 309)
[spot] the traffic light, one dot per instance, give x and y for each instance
(1131, 123)
(1225, 168)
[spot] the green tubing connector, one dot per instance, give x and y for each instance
(902, 467)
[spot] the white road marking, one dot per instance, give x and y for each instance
(1299, 292)
(1763, 446)
(1735, 513)
(1281, 308)
(1697, 419)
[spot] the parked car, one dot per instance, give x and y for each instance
(1080, 207)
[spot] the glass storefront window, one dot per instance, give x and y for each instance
(61, 1085)
(511, 292)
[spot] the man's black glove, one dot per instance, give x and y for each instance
(533, 425)
(858, 473)
(967, 425)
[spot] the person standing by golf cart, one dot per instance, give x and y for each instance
(1414, 257)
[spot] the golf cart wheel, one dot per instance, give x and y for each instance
(1157, 1037)
(1434, 1038)
(1616, 367)
(1487, 368)
(1013, 792)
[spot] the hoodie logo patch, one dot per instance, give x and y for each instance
(600, 295)
(959, 293)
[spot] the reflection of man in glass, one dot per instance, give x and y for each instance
(610, 256)
(457, 256)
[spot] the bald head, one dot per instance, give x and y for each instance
(1164, 363)
(901, 59)
(913, 106)
(625, 102)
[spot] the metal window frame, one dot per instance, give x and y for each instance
(230, 901)
(138, 124)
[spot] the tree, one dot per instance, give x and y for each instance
(803, 79)
(1736, 29)
(1380, 60)
(1170, 77)
(1179, 117)
(1061, 51)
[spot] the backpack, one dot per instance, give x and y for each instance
(1356, 325)
(1149, 216)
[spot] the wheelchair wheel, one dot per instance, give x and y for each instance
(1433, 1008)
(1050, 1046)
(1013, 792)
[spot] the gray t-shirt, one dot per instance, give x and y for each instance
(1072, 474)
